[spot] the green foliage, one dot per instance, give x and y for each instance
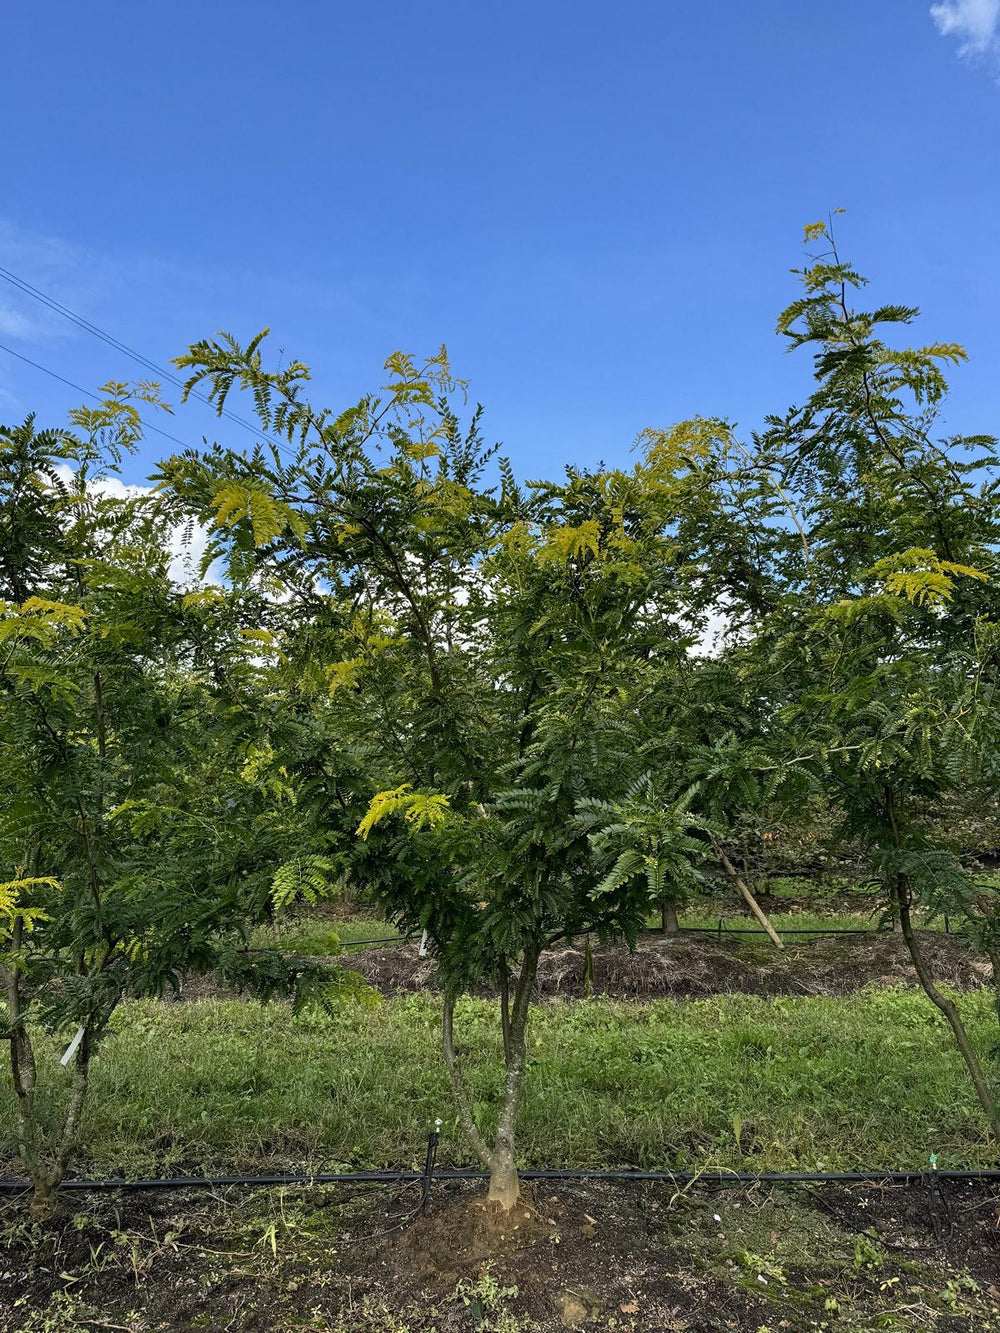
(140, 825)
(643, 837)
(302, 879)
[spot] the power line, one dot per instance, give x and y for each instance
(87, 393)
(23, 285)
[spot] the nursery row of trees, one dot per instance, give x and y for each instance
(488, 704)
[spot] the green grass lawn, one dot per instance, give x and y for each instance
(821, 923)
(319, 938)
(869, 1080)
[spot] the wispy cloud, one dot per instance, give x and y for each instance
(976, 24)
(14, 322)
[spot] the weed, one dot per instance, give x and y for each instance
(486, 1300)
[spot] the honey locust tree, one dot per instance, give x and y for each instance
(485, 650)
(131, 795)
(885, 643)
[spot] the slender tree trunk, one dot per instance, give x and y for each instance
(505, 1012)
(22, 1068)
(747, 896)
(993, 953)
(588, 968)
(45, 1164)
(668, 919)
(901, 892)
(499, 1159)
(23, 1071)
(459, 1091)
(505, 1184)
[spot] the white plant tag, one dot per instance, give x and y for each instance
(422, 951)
(71, 1048)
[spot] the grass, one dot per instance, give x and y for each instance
(735, 1081)
(314, 937)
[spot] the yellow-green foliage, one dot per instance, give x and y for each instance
(12, 909)
(921, 577)
(40, 621)
(418, 809)
(571, 543)
(268, 518)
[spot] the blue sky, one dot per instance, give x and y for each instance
(595, 206)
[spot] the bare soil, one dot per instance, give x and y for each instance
(598, 1256)
(693, 966)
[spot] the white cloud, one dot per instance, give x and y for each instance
(976, 24)
(185, 556)
(13, 323)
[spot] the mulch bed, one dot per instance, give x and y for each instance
(693, 966)
(690, 967)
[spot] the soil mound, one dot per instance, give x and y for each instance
(693, 966)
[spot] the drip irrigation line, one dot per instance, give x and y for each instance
(390, 939)
(780, 930)
(895, 1177)
(690, 930)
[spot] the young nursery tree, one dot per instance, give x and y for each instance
(886, 639)
(133, 822)
(487, 652)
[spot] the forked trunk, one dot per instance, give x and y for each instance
(45, 1163)
(499, 1159)
(44, 1203)
(505, 1183)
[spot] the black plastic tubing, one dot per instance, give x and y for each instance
(393, 1177)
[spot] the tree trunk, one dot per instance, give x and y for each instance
(46, 1166)
(459, 1091)
(505, 1012)
(499, 1160)
(588, 968)
(505, 1184)
(901, 892)
(22, 1069)
(668, 919)
(993, 953)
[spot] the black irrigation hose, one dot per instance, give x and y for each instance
(397, 1177)
(390, 939)
(778, 930)
(691, 930)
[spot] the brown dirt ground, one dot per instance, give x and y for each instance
(595, 1256)
(692, 967)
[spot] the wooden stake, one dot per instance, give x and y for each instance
(748, 897)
